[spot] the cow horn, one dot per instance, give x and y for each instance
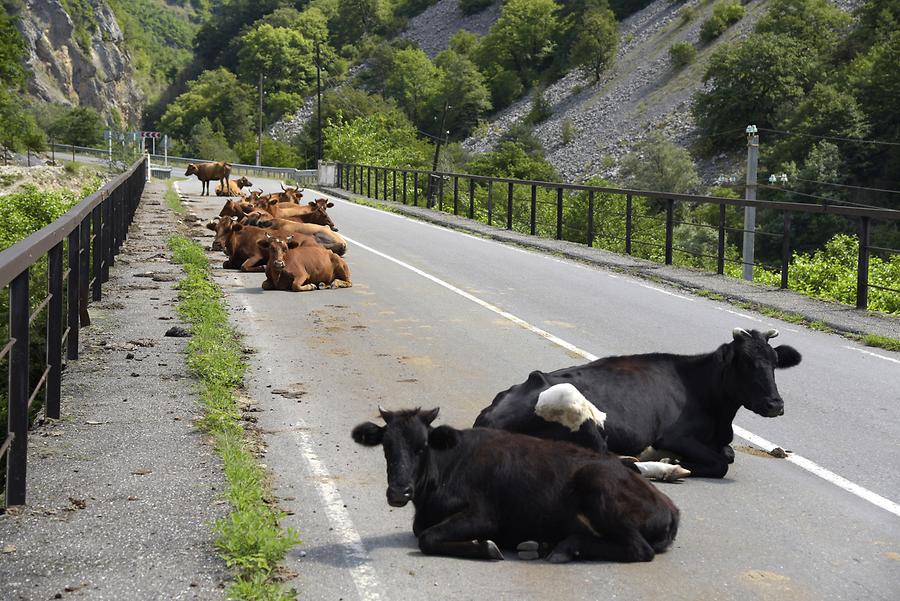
(739, 333)
(771, 334)
(233, 218)
(383, 412)
(283, 189)
(268, 236)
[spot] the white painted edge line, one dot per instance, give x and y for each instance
(864, 352)
(361, 570)
(794, 458)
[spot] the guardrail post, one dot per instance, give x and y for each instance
(559, 212)
(785, 250)
(97, 252)
(404, 187)
(107, 234)
(590, 223)
(720, 252)
(533, 221)
(670, 219)
(369, 182)
(471, 198)
(384, 189)
(72, 296)
(376, 183)
(416, 188)
(16, 461)
(455, 195)
(862, 267)
(394, 186)
(54, 329)
(490, 203)
(84, 270)
(509, 206)
(628, 224)
(441, 194)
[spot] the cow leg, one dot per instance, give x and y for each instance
(702, 461)
(458, 536)
(629, 546)
(267, 284)
(254, 264)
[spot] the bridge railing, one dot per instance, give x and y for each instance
(633, 222)
(76, 251)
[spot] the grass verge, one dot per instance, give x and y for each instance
(173, 201)
(249, 539)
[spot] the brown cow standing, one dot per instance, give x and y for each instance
(209, 171)
(301, 266)
(234, 187)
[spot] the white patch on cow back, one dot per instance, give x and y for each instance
(564, 404)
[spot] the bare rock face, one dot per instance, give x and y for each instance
(60, 70)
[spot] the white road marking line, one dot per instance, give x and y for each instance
(864, 352)
(744, 315)
(794, 458)
(655, 289)
(360, 565)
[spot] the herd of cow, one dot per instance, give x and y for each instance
(554, 467)
(295, 244)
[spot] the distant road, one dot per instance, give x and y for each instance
(424, 325)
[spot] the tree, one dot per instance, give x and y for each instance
(464, 43)
(470, 7)
(20, 131)
(381, 139)
(357, 19)
(748, 82)
(274, 153)
(413, 82)
(284, 57)
(682, 54)
(215, 95)
(12, 49)
(658, 164)
(461, 86)
(523, 39)
(510, 159)
(819, 24)
(596, 41)
(81, 125)
(208, 142)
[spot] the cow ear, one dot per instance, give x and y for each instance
(788, 356)
(443, 438)
(429, 416)
(237, 227)
(312, 203)
(329, 205)
(293, 244)
(273, 201)
(263, 243)
(211, 225)
(368, 434)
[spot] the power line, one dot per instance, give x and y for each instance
(795, 133)
(822, 198)
(812, 181)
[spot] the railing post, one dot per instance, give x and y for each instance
(509, 206)
(84, 270)
(416, 188)
(107, 234)
(490, 202)
(16, 461)
(785, 250)
(862, 267)
(394, 186)
(533, 218)
(455, 195)
(385, 189)
(54, 329)
(559, 213)
(590, 223)
(369, 182)
(97, 252)
(720, 252)
(670, 219)
(628, 224)
(376, 183)
(72, 296)
(404, 187)
(471, 198)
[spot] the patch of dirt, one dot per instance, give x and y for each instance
(293, 391)
(49, 178)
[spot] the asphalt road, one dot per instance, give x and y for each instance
(421, 327)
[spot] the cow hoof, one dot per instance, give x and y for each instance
(493, 552)
(560, 557)
(528, 550)
(728, 451)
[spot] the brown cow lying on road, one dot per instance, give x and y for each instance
(234, 187)
(209, 171)
(325, 236)
(236, 208)
(313, 212)
(301, 266)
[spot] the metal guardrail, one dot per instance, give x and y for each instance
(89, 236)
(417, 185)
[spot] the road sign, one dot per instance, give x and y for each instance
(151, 134)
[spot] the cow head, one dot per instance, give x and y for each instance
(277, 248)
(223, 226)
(243, 182)
(750, 376)
(405, 438)
(191, 169)
(319, 213)
(235, 208)
(258, 218)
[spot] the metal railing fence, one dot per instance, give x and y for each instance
(80, 247)
(639, 222)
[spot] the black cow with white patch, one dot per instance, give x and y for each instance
(684, 404)
(479, 490)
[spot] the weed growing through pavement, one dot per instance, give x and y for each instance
(249, 538)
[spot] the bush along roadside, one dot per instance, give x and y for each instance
(249, 539)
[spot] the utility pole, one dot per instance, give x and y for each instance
(437, 153)
(750, 194)
(319, 109)
(259, 128)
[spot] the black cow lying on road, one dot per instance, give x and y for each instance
(478, 490)
(683, 404)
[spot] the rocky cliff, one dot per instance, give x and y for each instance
(80, 61)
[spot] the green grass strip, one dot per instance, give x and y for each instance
(173, 201)
(249, 539)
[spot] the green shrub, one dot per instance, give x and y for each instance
(725, 14)
(682, 54)
(687, 14)
(470, 7)
(540, 108)
(568, 130)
